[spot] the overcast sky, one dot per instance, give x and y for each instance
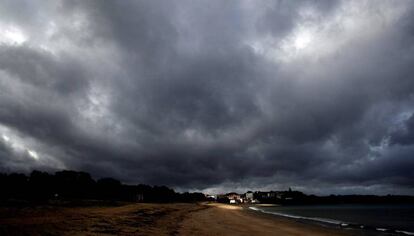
(212, 95)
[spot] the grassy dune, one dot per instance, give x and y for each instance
(135, 219)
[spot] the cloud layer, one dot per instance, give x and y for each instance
(214, 95)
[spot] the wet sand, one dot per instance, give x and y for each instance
(152, 219)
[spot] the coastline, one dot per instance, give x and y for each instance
(158, 219)
(330, 223)
(223, 219)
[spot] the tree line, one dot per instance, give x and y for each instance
(42, 187)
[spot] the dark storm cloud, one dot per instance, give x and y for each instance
(212, 94)
(404, 136)
(41, 69)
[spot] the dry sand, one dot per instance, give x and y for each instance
(220, 219)
(151, 219)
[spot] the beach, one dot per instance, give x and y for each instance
(222, 219)
(152, 219)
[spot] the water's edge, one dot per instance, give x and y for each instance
(331, 222)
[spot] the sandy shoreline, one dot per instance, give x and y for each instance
(221, 219)
(153, 219)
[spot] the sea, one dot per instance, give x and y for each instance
(389, 219)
